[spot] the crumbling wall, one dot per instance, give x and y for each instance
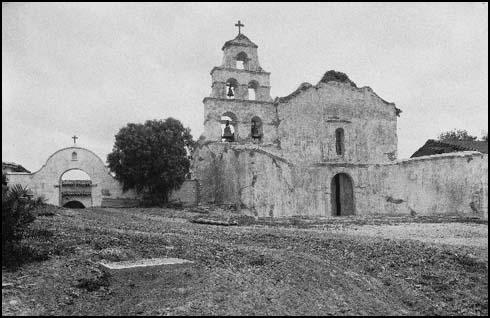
(266, 184)
(252, 178)
(453, 183)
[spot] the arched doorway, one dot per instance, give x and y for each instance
(75, 189)
(342, 195)
(74, 205)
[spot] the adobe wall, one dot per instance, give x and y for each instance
(46, 180)
(246, 176)
(309, 117)
(453, 183)
(259, 181)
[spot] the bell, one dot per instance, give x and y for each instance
(230, 92)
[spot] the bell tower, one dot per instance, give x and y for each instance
(240, 89)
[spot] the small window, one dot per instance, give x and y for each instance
(74, 156)
(256, 130)
(339, 141)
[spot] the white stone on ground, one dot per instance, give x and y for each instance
(144, 263)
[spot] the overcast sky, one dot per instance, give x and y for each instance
(89, 69)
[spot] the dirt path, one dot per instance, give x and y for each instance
(339, 268)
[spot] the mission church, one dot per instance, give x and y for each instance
(328, 149)
(325, 150)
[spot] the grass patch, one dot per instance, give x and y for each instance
(94, 283)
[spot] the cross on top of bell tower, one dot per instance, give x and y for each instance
(239, 25)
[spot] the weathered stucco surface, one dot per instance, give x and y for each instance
(266, 185)
(308, 122)
(46, 180)
(453, 183)
(187, 194)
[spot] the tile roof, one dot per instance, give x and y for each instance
(432, 147)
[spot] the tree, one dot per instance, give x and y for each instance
(456, 134)
(151, 157)
(485, 136)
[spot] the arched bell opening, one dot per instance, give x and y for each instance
(231, 88)
(252, 90)
(229, 127)
(241, 61)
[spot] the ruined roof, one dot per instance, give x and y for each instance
(433, 147)
(334, 76)
(240, 40)
(302, 87)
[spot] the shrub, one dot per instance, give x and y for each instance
(17, 213)
(337, 77)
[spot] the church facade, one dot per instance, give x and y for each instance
(328, 150)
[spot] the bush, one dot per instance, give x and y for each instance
(17, 214)
(13, 258)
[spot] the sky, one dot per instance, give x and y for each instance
(88, 69)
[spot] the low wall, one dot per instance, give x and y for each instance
(453, 183)
(267, 185)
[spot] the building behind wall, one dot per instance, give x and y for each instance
(328, 149)
(8, 167)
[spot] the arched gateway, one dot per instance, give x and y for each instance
(48, 182)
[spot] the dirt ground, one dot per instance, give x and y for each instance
(343, 266)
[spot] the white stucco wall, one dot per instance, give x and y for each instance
(46, 180)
